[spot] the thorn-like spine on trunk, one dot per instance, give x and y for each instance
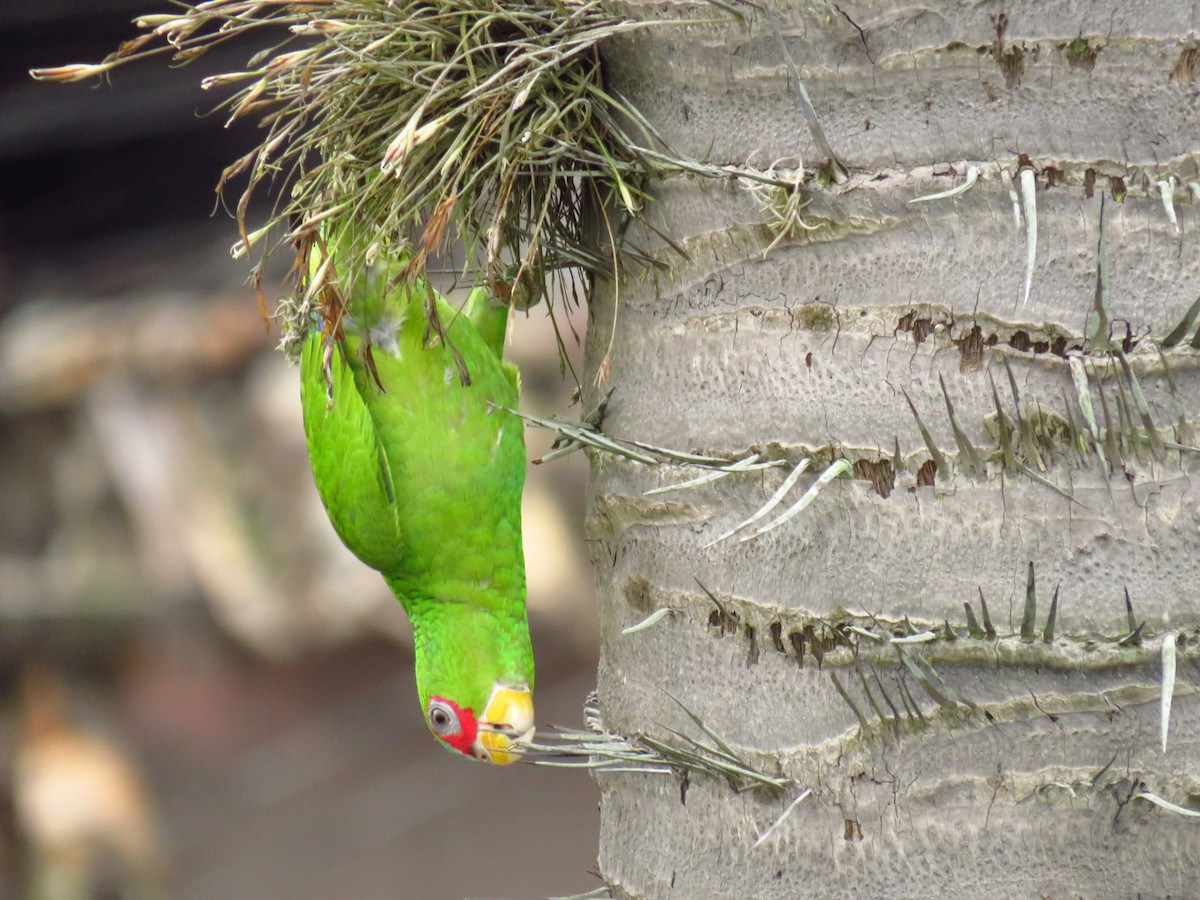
(888, 700)
(1134, 635)
(1131, 446)
(862, 720)
(1134, 638)
(1183, 430)
(1168, 685)
(1080, 442)
(1029, 617)
(1096, 326)
(1006, 178)
(1029, 208)
(911, 709)
(926, 682)
(1051, 618)
(1003, 430)
(973, 629)
(1024, 426)
(1143, 408)
(936, 454)
(837, 171)
(972, 463)
(1111, 448)
(988, 629)
(1084, 396)
(867, 692)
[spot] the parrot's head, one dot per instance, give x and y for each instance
(489, 733)
(473, 660)
(475, 679)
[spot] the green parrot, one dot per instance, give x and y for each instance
(421, 472)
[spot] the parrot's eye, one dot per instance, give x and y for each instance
(442, 718)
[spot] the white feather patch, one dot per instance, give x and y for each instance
(385, 333)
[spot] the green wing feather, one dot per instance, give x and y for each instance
(349, 464)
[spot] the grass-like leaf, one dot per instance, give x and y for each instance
(839, 467)
(1168, 805)
(610, 753)
(972, 177)
(776, 498)
(747, 464)
(803, 795)
(651, 620)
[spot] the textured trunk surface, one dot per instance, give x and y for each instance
(1007, 764)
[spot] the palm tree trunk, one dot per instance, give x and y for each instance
(1027, 448)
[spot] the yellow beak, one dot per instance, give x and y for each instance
(507, 720)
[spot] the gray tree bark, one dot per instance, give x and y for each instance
(998, 756)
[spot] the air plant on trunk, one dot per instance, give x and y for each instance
(486, 122)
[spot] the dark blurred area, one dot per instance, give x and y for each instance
(202, 694)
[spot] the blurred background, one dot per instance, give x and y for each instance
(202, 694)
